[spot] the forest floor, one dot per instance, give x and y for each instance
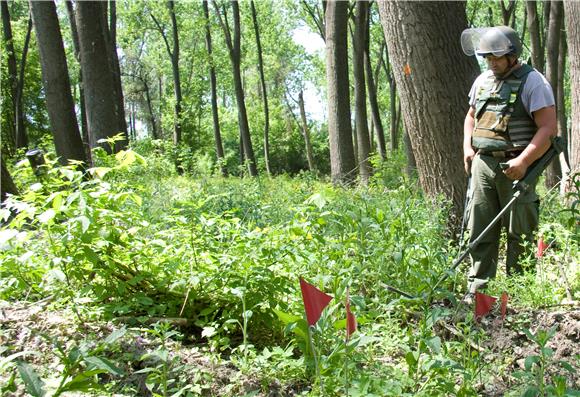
(22, 324)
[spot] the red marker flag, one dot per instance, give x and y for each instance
(314, 301)
(483, 304)
(542, 246)
(504, 301)
(350, 318)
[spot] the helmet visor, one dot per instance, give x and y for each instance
(485, 41)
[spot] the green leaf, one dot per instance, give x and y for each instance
(564, 364)
(47, 216)
(116, 335)
(34, 385)
(531, 391)
(434, 344)
(286, 318)
(208, 332)
(7, 360)
(83, 381)
(104, 364)
(530, 361)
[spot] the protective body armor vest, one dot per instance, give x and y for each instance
(501, 121)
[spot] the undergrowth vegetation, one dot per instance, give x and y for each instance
(220, 257)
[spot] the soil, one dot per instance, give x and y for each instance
(22, 324)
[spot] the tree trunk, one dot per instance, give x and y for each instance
(360, 95)
(98, 80)
(110, 34)
(411, 167)
(372, 89)
(342, 162)
(55, 79)
(264, 91)
(7, 185)
(234, 49)
(392, 104)
(176, 75)
(82, 104)
(535, 36)
(572, 16)
(554, 172)
(19, 138)
(219, 149)
(425, 73)
(21, 135)
(306, 133)
(152, 121)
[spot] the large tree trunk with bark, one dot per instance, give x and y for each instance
(360, 95)
(98, 80)
(234, 49)
(554, 171)
(342, 163)
(82, 104)
(55, 79)
(264, 91)
(110, 34)
(433, 77)
(572, 16)
(219, 149)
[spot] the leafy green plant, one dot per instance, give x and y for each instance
(536, 373)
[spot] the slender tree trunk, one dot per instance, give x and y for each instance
(375, 112)
(342, 159)
(21, 135)
(424, 74)
(264, 91)
(82, 104)
(554, 172)
(55, 78)
(176, 75)
(19, 138)
(535, 36)
(395, 116)
(7, 185)
(152, 120)
(234, 49)
(306, 133)
(572, 16)
(219, 149)
(360, 95)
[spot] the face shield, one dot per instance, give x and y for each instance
(485, 41)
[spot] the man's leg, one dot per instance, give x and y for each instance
(485, 207)
(523, 225)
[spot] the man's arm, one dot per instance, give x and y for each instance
(546, 122)
(468, 152)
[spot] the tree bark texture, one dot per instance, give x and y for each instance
(572, 16)
(55, 79)
(83, 108)
(219, 149)
(306, 133)
(342, 160)
(360, 94)
(98, 80)
(535, 36)
(433, 77)
(110, 34)
(554, 172)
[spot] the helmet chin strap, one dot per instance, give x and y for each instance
(513, 65)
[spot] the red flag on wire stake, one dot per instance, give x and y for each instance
(542, 246)
(314, 301)
(350, 318)
(504, 301)
(483, 304)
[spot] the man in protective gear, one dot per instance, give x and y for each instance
(509, 124)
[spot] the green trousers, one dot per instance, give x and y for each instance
(492, 190)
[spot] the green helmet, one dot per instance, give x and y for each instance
(497, 41)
